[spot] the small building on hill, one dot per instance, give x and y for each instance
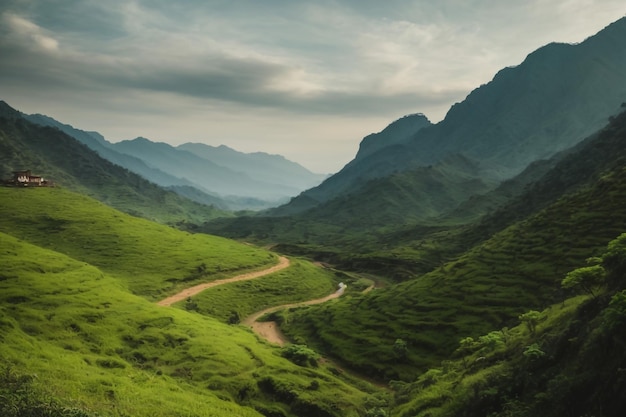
(26, 179)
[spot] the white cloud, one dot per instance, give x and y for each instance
(291, 75)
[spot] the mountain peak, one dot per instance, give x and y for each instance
(8, 111)
(395, 133)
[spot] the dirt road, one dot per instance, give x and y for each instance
(269, 330)
(189, 292)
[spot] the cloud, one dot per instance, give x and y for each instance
(328, 62)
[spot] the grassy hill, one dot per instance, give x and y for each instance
(49, 152)
(81, 333)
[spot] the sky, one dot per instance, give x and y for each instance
(303, 79)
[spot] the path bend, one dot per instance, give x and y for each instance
(283, 263)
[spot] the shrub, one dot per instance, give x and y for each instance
(300, 355)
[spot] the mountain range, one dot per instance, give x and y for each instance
(484, 257)
(559, 95)
(219, 176)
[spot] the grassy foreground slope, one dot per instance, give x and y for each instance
(94, 346)
(566, 360)
(152, 259)
(78, 281)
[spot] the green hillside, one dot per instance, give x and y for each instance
(152, 259)
(563, 360)
(49, 152)
(81, 334)
(485, 288)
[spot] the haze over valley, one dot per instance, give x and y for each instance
(465, 258)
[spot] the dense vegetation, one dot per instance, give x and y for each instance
(74, 337)
(506, 301)
(486, 287)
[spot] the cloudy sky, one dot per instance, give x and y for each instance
(304, 79)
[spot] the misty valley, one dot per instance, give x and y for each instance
(471, 267)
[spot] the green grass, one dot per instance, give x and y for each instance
(154, 260)
(95, 346)
(300, 282)
(78, 282)
(515, 270)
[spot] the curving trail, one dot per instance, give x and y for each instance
(283, 263)
(269, 330)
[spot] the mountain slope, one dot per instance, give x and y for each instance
(273, 169)
(513, 270)
(229, 180)
(203, 173)
(559, 95)
(49, 152)
(78, 281)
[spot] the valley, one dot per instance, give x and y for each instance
(471, 267)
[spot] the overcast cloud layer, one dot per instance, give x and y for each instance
(299, 78)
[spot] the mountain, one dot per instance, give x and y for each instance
(273, 169)
(511, 262)
(230, 180)
(559, 95)
(49, 152)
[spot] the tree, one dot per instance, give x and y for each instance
(400, 348)
(531, 319)
(587, 278)
(614, 259)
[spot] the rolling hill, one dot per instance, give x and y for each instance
(49, 152)
(82, 335)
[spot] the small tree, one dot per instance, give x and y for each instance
(400, 348)
(588, 279)
(531, 319)
(533, 352)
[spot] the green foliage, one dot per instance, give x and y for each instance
(614, 316)
(152, 259)
(517, 269)
(20, 398)
(87, 338)
(588, 279)
(531, 319)
(233, 302)
(300, 355)
(534, 351)
(400, 348)
(614, 259)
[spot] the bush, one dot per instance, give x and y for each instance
(300, 355)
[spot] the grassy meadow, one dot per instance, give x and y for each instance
(300, 282)
(152, 259)
(78, 320)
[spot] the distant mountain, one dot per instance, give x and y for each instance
(559, 95)
(50, 152)
(272, 169)
(203, 173)
(219, 176)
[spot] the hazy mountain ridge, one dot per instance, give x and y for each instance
(230, 179)
(49, 152)
(275, 169)
(559, 95)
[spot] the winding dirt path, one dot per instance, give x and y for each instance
(269, 330)
(283, 263)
